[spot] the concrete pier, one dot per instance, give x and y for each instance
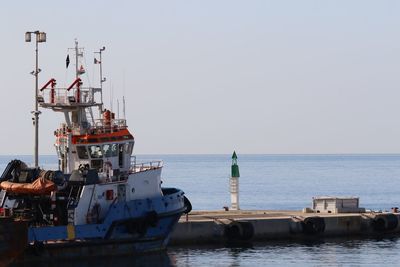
(213, 227)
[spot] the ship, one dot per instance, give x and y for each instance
(100, 200)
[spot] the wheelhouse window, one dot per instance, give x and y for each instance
(107, 150)
(110, 150)
(114, 150)
(95, 152)
(82, 152)
(129, 148)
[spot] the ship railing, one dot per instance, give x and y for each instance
(63, 96)
(101, 123)
(144, 166)
(99, 127)
(114, 125)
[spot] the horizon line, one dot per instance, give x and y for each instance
(211, 154)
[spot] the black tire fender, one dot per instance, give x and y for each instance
(187, 205)
(239, 231)
(385, 222)
(313, 225)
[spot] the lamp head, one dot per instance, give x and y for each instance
(28, 37)
(41, 37)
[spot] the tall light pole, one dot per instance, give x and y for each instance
(40, 37)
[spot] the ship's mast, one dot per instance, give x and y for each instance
(78, 53)
(102, 80)
(123, 107)
(76, 59)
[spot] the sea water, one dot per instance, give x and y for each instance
(283, 182)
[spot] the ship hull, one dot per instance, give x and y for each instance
(117, 235)
(155, 239)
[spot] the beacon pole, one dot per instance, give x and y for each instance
(234, 183)
(40, 37)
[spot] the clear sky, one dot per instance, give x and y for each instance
(214, 76)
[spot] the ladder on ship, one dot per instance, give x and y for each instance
(73, 199)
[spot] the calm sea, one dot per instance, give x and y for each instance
(274, 182)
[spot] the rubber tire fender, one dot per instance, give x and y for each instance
(313, 225)
(385, 222)
(187, 205)
(239, 231)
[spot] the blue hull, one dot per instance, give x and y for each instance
(155, 239)
(130, 228)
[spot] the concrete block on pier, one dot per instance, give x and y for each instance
(197, 232)
(343, 225)
(273, 228)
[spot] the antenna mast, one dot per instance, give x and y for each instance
(76, 59)
(102, 80)
(78, 71)
(111, 97)
(123, 106)
(118, 109)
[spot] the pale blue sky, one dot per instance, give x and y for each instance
(214, 76)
